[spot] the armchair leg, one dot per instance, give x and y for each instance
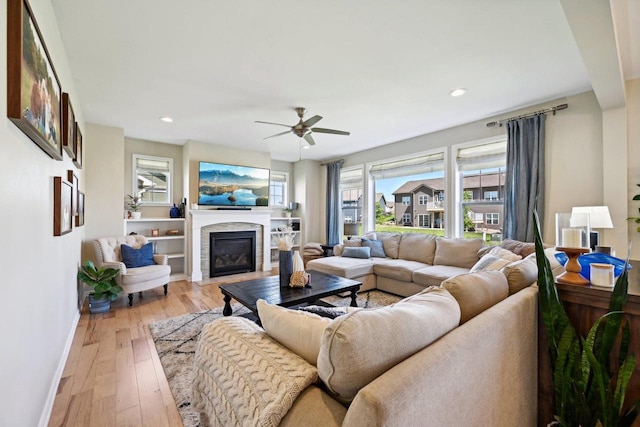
(140, 293)
(165, 289)
(130, 300)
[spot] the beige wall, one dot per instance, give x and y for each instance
(38, 308)
(151, 148)
(633, 162)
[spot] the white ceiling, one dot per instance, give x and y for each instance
(379, 69)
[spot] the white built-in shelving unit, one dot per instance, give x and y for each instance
(276, 223)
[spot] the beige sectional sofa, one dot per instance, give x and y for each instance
(413, 262)
(462, 354)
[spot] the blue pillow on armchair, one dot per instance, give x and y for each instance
(133, 258)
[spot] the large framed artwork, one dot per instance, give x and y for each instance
(68, 126)
(77, 147)
(33, 89)
(62, 215)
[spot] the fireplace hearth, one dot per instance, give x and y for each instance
(232, 252)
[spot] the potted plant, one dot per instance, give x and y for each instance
(590, 374)
(287, 212)
(636, 219)
(103, 282)
(133, 204)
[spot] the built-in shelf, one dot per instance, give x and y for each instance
(293, 222)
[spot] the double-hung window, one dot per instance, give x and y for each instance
(278, 186)
(152, 179)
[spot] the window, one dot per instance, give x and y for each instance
(406, 200)
(278, 189)
(152, 179)
(423, 199)
(406, 218)
(351, 184)
(492, 218)
(423, 220)
(491, 195)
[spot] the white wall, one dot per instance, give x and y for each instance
(310, 191)
(633, 162)
(38, 308)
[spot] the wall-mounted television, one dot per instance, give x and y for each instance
(231, 185)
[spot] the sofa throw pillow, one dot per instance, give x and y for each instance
(359, 346)
(523, 249)
(457, 252)
(520, 274)
(133, 258)
(556, 268)
(352, 243)
(475, 292)
(377, 249)
(362, 252)
(488, 263)
(328, 312)
(297, 330)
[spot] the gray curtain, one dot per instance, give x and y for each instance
(333, 202)
(524, 183)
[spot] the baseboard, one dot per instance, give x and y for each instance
(53, 390)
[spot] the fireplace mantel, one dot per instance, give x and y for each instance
(204, 218)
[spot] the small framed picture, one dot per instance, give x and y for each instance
(62, 216)
(73, 179)
(155, 232)
(68, 126)
(77, 147)
(80, 216)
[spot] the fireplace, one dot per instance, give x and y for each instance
(232, 252)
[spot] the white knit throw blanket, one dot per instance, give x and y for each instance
(243, 377)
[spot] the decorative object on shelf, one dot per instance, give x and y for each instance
(593, 384)
(103, 282)
(62, 210)
(290, 209)
(34, 93)
(602, 275)
(155, 232)
(599, 217)
(286, 212)
(299, 279)
(183, 207)
(173, 232)
(133, 204)
(572, 238)
(174, 212)
(587, 260)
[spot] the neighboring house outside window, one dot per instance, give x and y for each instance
(278, 189)
(152, 179)
(492, 218)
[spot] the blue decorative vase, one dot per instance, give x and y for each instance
(174, 212)
(286, 268)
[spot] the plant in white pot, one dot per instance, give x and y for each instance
(103, 282)
(133, 204)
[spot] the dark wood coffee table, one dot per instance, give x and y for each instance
(268, 288)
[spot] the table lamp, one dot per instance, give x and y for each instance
(599, 217)
(572, 238)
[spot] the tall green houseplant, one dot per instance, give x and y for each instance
(589, 386)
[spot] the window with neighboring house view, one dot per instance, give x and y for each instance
(152, 179)
(406, 200)
(278, 189)
(351, 185)
(492, 218)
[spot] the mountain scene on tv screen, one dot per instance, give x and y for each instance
(228, 188)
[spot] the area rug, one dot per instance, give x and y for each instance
(176, 341)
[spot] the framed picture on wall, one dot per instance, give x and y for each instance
(33, 89)
(77, 147)
(73, 179)
(62, 216)
(80, 216)
(68, 126)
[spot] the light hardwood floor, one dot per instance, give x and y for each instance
(113, 376)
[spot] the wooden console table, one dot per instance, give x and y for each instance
(584, 305)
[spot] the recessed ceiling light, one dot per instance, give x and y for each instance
(166, 119)
(305, 147)
(458, 92)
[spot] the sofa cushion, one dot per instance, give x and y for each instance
(520, 274)
(489, 262)
(357, 347)
(556, 268)
(342, 266)
(417, 247)
(499, 252)
(398, 269)
(457, 252)
(299, 331)
(390, 243)
(134, 258)
(352, 243)
(377, 249)
(135, 276)
(433, 275)
(475, 292)
(523, 249)
(355, 252)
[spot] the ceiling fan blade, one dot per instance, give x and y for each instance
(277, 134)
(309, 139)
(271, 123)
(312, 121)
(333, 131)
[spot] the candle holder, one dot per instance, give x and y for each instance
(572, 238)
(572, 268)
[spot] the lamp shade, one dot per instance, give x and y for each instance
(599, 216)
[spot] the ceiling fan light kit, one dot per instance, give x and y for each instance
(304, 129)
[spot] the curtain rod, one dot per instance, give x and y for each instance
(331, 161)
(546, 110)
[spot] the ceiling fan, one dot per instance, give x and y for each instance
(303, 128)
